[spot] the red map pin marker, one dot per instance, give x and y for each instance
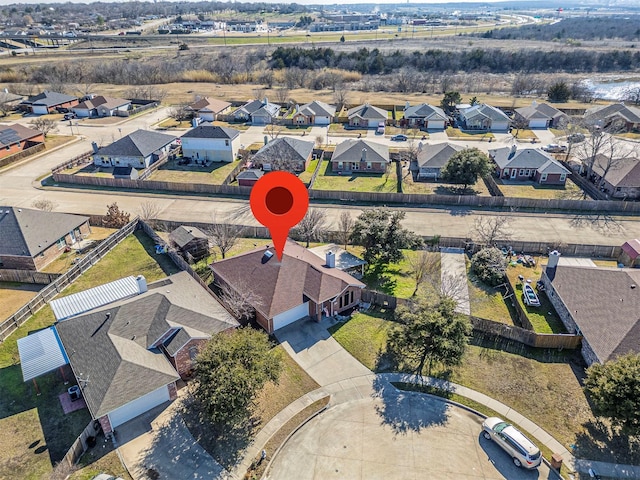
(279, 200)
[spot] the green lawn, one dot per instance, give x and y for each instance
(540, 384)
(305, 177)
(525, 134)
(457, 134)
(358, 182)
(213, 174)
(339, 130)
(38, 420)
(487, 302)
(543, 318)
(570, 191)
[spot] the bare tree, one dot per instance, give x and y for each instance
(149, 212)
(6, 104)
(223, 236)
(272, 130)
(599, 142)
(453, 286)
(632, 95)
(340, 95)
(282, 95)
(259, 93)
(240, 300)
(225, 67)
(44, 125)
(486, 230)
(146, 92)
(345, 227)
(423, 265)
(181, 113)
(613, 154)
(44, 205)
(319, 140)
(313, 226)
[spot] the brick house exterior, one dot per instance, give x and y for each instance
(32, 238)
(366, 116)
(184, 360)
(528, 164)
(360, 156)
(300, 285)
(48, 102)
(16, 138)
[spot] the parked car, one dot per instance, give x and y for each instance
(522, 450)
(554, 148)
(69, 116)
(399, 138)
(575, 138)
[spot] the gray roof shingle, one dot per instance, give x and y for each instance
(50, 99)
(436, 156)
(424, 110)
(291, 148)
(27, 232)
(184, 234)
(140, 143)
(318, 108)
(368, 112)
(351, 150)
(509, 157)
(208, 130)
(115, 353)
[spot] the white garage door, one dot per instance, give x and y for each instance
(138, 406)
(541, 123)
(40, 109)
(322, 121)
(435, 125)
(285, 318)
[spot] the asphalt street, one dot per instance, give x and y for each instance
(20, 186)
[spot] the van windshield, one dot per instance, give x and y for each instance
(500, 426)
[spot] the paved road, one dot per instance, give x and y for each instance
(396, 435)
(18, 187)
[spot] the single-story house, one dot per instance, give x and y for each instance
(138, 149)
(424, 116)
(281, 292)
(338, 257)
(16, 138)
(366, 116)
(541, 115)
(128, 356)
(101, 106)
(208, 142)
(314, 113)
(356, 155)
(484, 117)
(623, 178)
(600, 304)
(248, 178)
(284, 153)
(127, 172)
(209, 108)
(31, 239)
(47, 102)
(258, 112)
(10, 99)
(190, 241)
(528, 164)
(430, 159)
(630, 252)
(616, 117)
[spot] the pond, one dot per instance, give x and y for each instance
(612, 88)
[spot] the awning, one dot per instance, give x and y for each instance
(40, 353)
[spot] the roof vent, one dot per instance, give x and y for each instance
(633, 285)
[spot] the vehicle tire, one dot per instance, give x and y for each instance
(486, 435)
(517, 462)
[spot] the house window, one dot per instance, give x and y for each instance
(522, 172)
(618, 189)
(339, 165)
(226, 143)
(527, 173)
(193, 353)
(543, 178)
(563, 177)
(368, 165)
(355, 166)
(351, 296)
(61, 243)
(506, 172)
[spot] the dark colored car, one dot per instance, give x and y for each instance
(399, 138)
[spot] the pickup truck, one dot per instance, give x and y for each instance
(555, 148)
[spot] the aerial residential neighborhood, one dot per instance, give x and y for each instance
(456, 298)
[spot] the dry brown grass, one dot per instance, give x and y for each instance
(15, 295)
(198, 76)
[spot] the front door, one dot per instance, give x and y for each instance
(514, 172)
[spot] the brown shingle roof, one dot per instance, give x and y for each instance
(604, 305)
(281, 286)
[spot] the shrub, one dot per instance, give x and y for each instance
(489, 265)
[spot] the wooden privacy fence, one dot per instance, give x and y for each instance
(509, 332)
(27, 276)
(12, 323)
(80, 445)
(24, 153)
(81, 159)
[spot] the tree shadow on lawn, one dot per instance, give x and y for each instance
(59, 430)
(165, 262)
(602, 443)
(192, 166)
(379, 278)
(406, 412)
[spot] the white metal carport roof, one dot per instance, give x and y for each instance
(81, 302)
(40, 353)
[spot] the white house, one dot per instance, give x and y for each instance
(485, 117)
(101, 107)
(207, 142)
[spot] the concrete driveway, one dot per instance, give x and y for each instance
(312, 346)
(160, 441)
(395, 434)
